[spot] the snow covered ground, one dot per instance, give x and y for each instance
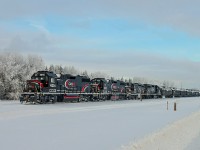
(195, 144)
(110, 125)
(176, 136)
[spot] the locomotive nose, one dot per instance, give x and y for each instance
(34, 86)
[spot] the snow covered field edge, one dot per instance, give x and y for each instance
(175, 136)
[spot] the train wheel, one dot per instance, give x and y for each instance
(78, 100)
(54, 100)
(86, 98)
(46, 98)
(81, 98)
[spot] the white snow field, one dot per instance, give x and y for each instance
(176, 136)
(111, 125)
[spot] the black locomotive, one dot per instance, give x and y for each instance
(46, 86)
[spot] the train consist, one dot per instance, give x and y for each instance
(46, 86)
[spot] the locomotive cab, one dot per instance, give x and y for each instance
(121, 85)
(41, 81)
(98, 85)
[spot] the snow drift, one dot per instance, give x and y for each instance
(175, 136)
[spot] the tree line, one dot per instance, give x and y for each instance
(16, 68)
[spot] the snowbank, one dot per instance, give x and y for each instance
(175, 136)
(195, 145)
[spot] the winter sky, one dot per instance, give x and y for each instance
(156, 39)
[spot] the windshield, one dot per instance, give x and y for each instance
(41, 77)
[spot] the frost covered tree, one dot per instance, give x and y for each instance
(51, 68)
(64, 70)
(34, 63)
(126, 80)
(15, 69)
(168, 84)
(58, 69)
(130, 80)
(70, 70)
(74, 71)
(98, 74)
(85, 73)
(140, 80)
(112, 78)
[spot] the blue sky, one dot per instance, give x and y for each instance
(113, 35)
(121, 38)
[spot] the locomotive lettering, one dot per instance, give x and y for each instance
(69, 84)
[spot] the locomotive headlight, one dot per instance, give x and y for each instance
(52, 85)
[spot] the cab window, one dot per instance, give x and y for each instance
(52, 80)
